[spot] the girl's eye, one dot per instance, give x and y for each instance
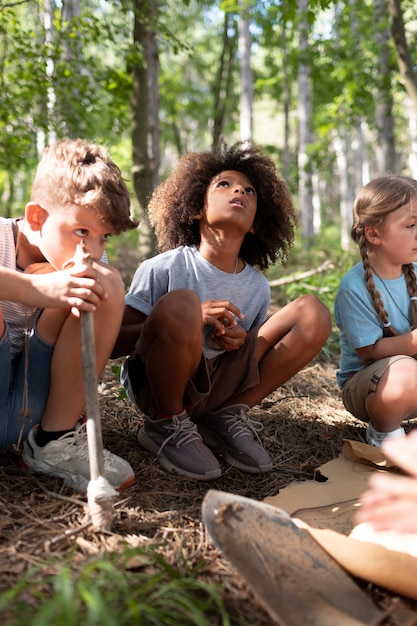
(107, 236)
(250, 190)
(222, 183)
(81, 232)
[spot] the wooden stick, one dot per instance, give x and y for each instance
(100, 493)
(287, 280)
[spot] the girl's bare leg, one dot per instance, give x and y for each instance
(395, 396)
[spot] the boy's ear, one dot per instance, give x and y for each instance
(372, 235)
(35, 215)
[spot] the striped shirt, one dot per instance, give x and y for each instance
(18, 317)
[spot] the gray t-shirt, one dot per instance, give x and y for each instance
(184, 267)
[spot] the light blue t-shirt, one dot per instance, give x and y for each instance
(185, 267)
(357, 318)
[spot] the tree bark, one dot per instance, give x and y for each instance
(405, 62)
(305, 189)
(384, 119)
(143, 132)
(246, 77)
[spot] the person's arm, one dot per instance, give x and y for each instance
(129, 332)
(76, 287)
(390, 346)
(390, 502)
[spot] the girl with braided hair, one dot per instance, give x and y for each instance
(376, 310)
(202, 352)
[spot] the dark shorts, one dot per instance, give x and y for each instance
(215, 381)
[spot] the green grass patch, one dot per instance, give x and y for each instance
(138, 587)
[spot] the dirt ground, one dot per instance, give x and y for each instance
(304, 426)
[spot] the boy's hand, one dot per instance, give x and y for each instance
(232, 337)
(222, 314)
(77, 287)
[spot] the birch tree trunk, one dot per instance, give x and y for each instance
(48, 136)
(305, 195)
(346, 199)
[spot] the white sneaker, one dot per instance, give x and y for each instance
(376, 438)
(67, 458)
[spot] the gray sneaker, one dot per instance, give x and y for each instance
(178, 446)
(234, 435)
(67, 458)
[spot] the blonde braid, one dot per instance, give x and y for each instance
(411, 280)
(388, 330)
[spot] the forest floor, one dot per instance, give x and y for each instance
(42, 521)
(304, 427)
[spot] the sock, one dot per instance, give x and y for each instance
(43, 437)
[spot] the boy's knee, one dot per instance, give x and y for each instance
(316, 316)
(113, 284)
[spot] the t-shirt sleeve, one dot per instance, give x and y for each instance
(357, 318)
(146, 288)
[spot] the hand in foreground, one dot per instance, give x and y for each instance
(390, 503)
(222, 314)
(77, 287)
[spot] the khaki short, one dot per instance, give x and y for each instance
(364, 382)
(215, 381)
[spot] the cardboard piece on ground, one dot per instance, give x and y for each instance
(326, 511)
(331, 504)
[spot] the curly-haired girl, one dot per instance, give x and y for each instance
(375, 309)
(201, 351)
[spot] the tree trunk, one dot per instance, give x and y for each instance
(142, 137)
(305, 191)
(346, 199)
(246, 78)
(405, 62)
(286, 97)
(223, 81)
(384, 119)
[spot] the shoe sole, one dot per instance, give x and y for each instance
(213, 442)
(78, 485)
(150, 446)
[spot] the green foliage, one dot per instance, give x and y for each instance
(138, 587)
(324, 284)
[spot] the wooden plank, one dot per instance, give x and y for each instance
(295, 580)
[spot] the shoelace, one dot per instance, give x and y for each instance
(243, 425)
(185, 430)
(78, 438)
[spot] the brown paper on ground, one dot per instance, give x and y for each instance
(331, 504)
(326, 509)
(395, 571)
